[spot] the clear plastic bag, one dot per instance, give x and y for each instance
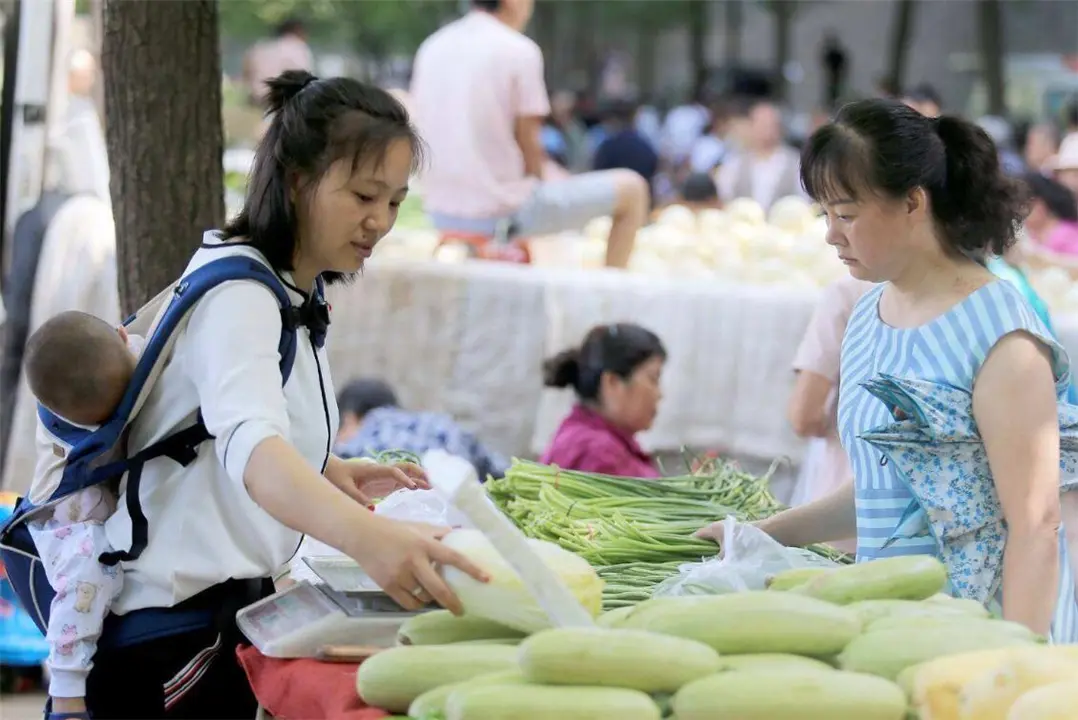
(425, 506)
(749, 558)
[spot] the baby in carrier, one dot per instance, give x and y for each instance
(78, 366)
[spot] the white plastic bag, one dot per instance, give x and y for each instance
(425, 506)
(749, 557)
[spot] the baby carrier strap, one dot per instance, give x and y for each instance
(98, 456)
(182, 446)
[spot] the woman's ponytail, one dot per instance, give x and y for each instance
(284, 87)
(562, 370)
(978, 207)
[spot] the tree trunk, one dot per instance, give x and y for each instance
(732, 26)
(783, 11)
(590, 36)
(900, 42)
(991, 31)
(543, 29)
(162, 70)
(699, 30)
(562, 68)
(97, 20)
(647, 58)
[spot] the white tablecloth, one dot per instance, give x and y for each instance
(469, 339)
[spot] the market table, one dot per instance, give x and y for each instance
(469, 339)
(305, 689)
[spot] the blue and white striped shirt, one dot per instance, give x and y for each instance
(948, 350)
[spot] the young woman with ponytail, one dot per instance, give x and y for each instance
(328, 179)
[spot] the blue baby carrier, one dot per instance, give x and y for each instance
(101, 455)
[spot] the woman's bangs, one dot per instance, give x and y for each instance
(833, 168)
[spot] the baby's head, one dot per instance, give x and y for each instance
(78, 366)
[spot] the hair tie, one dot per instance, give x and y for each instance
(306, 83)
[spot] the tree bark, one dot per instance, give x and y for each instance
(900, 42)
(699, 29)
(990, 25)
(161, 63)
(783, 13)
(647, 57)
(732, 25)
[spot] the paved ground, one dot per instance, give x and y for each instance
(24, 706)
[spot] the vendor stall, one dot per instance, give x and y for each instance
(763, 631)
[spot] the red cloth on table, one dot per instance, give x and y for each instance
(305, 689)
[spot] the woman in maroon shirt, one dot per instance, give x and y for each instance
(615, 374)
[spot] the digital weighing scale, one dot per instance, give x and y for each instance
(346, 608)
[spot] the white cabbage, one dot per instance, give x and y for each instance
(504, 599)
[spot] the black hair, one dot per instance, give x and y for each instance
(290, 26)
(86, 391)
(366, 394)
(1059, 200)
(314, 123)
(699, 188)
(751, 83)
(488, 5)
(886, 148)
(619, 349)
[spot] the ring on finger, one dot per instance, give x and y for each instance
(419, 592)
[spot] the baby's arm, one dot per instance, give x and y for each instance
(69, 543)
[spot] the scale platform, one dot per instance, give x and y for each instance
(345, 608)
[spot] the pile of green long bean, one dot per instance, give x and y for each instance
(632, 583)
(635, 532)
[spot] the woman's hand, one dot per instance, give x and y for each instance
(402, 558)
(829, 519)
(714, 531)
(364, 480)
(436, 532)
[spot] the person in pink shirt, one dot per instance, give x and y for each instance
(615, 374)
(1052, 223)
(811, 409)
(479, 101)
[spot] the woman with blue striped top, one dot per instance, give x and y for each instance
(917, 205)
